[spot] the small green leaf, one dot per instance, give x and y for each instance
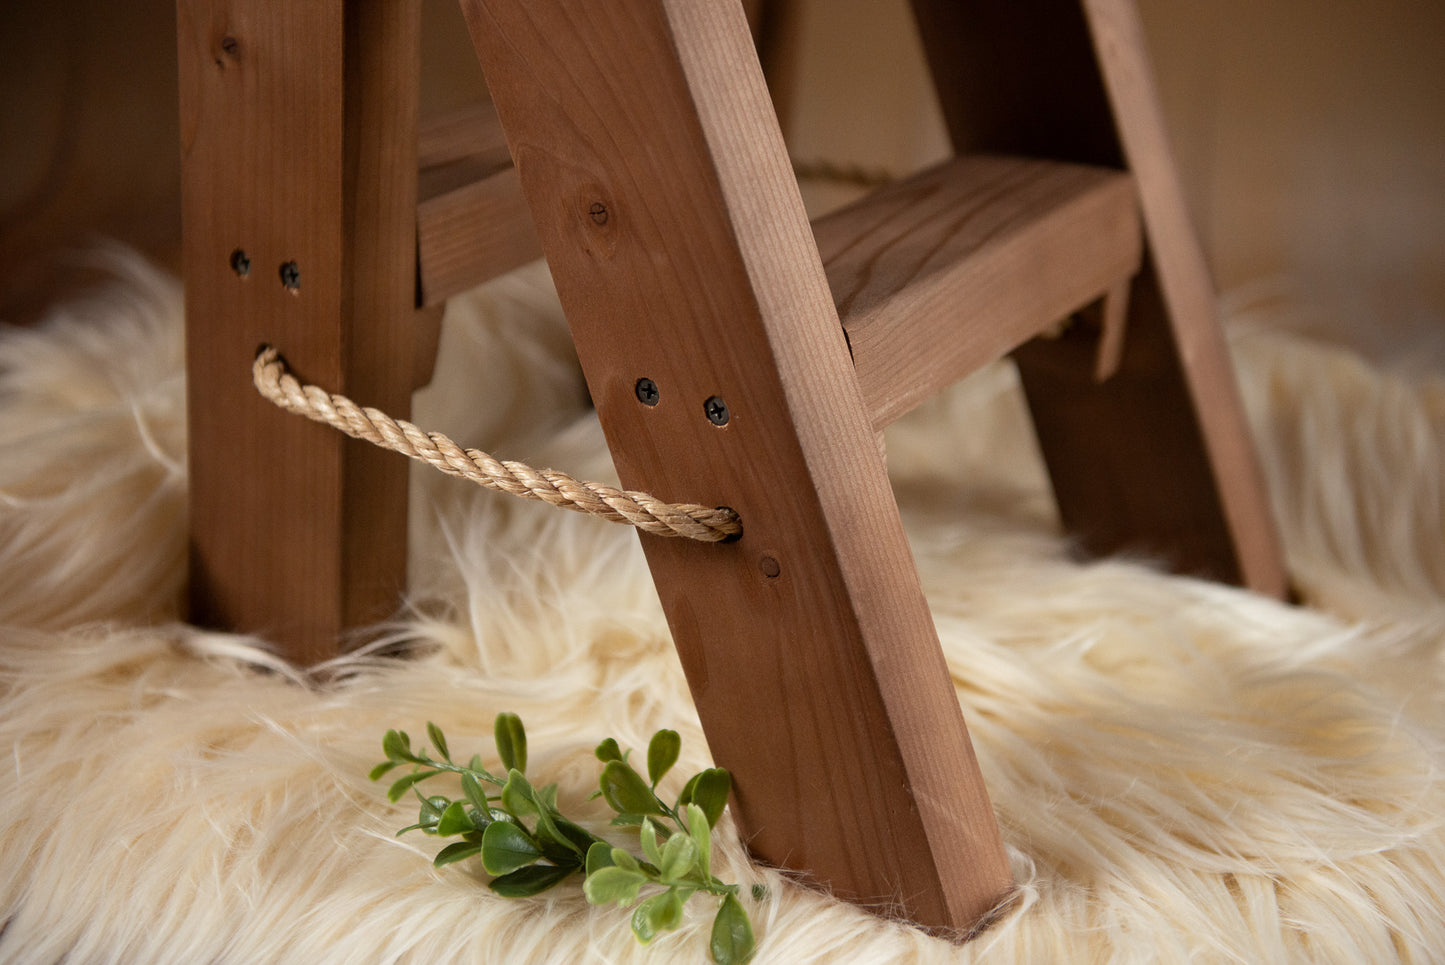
(397, 746)
(517, 795)
(454, 820)
(622, 859)
(701, 833)
(679, 855)
(687, 790)
(521, 798)
(511, 741)
(531, 880)
(613, 884)
(456, 851)
(430, 811)
(709, 790)
(608, 751)
(626, 791)
(659, 913)
(662, 753)
(556, 847)
(627, 820)
(380, 770)
(732, 934)
(579, 836)
(438, 740)
(506, 847)
(547, 796)
(599, 856)
(473, 790)
(649, 842)
(400, 787)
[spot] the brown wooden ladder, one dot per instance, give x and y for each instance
(650, 170)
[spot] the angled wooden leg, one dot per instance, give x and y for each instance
(299, 206)
(665, 202)
(1158, 458)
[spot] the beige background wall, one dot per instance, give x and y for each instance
(1311, 134)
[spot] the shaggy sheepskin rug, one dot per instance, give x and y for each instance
(1183, 772)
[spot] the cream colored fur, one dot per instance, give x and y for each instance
(1183, 772)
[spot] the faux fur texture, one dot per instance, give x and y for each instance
(1183, 772)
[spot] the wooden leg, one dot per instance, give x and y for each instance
(299, 205)
(1159, 458)
(665, 202)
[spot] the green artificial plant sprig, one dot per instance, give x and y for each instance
(529, 846)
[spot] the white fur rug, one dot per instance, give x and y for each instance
(1183, 772)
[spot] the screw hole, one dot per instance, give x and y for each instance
(647, 392)
(240, 263)
(717, 411)
(291, 276)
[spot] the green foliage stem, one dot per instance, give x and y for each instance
(529, 846)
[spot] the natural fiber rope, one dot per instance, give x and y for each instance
(642, 510)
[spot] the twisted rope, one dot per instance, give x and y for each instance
(646, 512)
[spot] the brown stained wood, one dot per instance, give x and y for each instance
(298, 134)
(933, 277)
(472, 234)
(1158, 459)
(954, 268)
(1188, 291)
(472, 222)
(666, 205)
(1113, 315)
(470, 135)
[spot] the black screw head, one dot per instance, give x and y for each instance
(717, 411)
(291, 276)
(240, 263)
(647, 392)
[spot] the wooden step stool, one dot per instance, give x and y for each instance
(773, 352)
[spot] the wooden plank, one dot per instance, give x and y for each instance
(472, 234)
(955, 267)
(1158, 459)
(385, 346)
(472, 222)
(471, 133)
(298, 145)
(666, 204)
(933, 277)
(1120, 45)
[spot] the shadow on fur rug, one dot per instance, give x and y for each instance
(1183, 772)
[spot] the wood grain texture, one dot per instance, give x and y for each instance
(665, 201)
(1158, 459)
(932, 277)
(1120, 45)
(471, 220)
(955, 267)
(298, 142)
(472, 234)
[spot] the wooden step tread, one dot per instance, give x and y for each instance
(933, 276)
(948, 270)
(472, 223)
